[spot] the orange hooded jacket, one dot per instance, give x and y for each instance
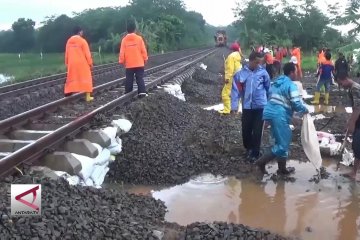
(79, 62)
(133, 52)
(321, 57)
(297, 53)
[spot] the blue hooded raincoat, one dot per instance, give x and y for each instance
(253, 86)
(284, 100)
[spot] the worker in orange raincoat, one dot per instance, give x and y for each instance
(79, 63)
(229, 93)
(133, 55)
(321, 56)
(297, 53)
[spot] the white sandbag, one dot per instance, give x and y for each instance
(216, 107)
(203, 66)
(73, 180)
(61, 173)
(116, 147)
(116, 144)
(310, 141)
(87, 166)
(89, 183)
(175, 90)
(111, 132)
(122, 125)
(103, 156)
(99, 174)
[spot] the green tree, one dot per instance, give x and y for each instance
(23, 34)
(53, 35)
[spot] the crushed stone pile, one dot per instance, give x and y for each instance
(221, 230)
(171, 141)
(203, 87)
(70, 212)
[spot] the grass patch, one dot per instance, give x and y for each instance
(31, 66)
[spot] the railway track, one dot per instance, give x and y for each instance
(24, 97)
(31, 135)
(26, 86)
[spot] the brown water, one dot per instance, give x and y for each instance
(330, 208)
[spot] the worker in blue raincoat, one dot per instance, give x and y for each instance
(253, 83)
(228, 93)
(283, 101)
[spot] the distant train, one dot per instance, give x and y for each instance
(220, 38)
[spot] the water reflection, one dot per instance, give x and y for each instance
(328, 210)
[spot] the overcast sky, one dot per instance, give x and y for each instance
(215, 12)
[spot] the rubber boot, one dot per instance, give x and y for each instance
(263, 160)
(227, 104)
(283, 170)
(326, 101)
(322, 90)
(316, 98)
(88, 97)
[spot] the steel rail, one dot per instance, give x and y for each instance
(38, 148)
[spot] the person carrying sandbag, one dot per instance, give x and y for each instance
(284, 100)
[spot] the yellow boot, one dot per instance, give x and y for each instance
(88, 97)
(326, 101)
(316, 98)
(227, 107)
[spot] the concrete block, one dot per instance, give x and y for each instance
(62, 161)
(97, 136)
(22, 134)
(45, 172)
(8, 145)
(82, 147)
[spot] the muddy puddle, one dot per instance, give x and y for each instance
(327, 210)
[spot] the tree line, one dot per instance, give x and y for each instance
(164, 24)
(292, 22)
(167, 25)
